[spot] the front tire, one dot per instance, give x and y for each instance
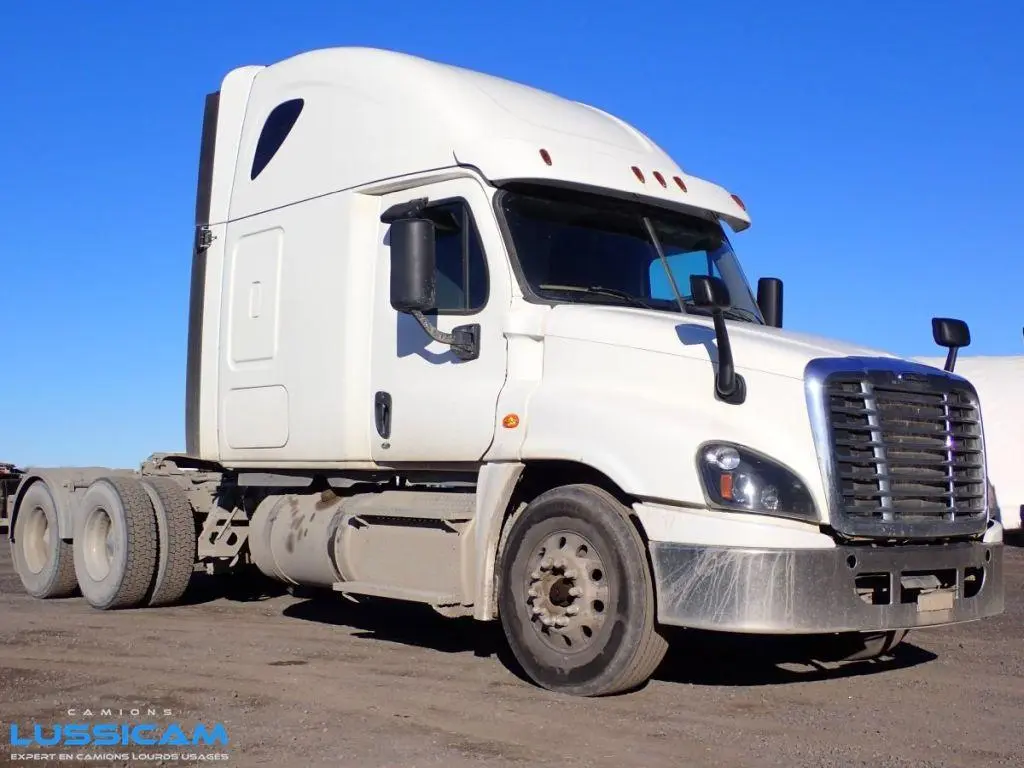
(576, 596)
(116, 543)
(44, 562)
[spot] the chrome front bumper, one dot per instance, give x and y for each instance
(807, 591)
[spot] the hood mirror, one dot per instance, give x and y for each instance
(951, 334)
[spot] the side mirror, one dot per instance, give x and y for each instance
(951, 334)
(769, 300)
(414, 283)
(413, 286)
(709, 292)
(714, 293)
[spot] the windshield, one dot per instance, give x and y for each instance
(579, 247)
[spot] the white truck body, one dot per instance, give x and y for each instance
(339, 437)
(999, 380)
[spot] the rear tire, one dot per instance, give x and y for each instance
(44, 562)
(116, 543)
(576, 596)
(176, 540)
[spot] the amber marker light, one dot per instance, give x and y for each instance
(725, 485)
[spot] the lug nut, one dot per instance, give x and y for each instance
(545, 564)
(535, 576)
(572, 610)
(536, 610)
(531, 592)
(560, 563)
(570, 573)
(561, 621)
(547, 621)
(575, 591)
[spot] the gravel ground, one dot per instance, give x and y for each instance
(302, 681)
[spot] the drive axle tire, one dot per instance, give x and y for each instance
(176, 540)
(116, 543)
(44, 562)
(576, 597)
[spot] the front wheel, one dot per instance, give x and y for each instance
(576, 597)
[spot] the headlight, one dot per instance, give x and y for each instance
(740, 479)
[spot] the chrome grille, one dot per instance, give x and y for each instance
(905, 452)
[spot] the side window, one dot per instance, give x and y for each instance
(279, 124)
(461, 266)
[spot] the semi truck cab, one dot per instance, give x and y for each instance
(457, 340)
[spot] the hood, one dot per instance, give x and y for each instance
(754, 347)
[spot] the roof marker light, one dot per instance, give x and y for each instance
(639, 174)
(545, 156)
(679, 183)
(739, 202)
(660, 178)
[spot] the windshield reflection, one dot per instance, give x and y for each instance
(580, 247)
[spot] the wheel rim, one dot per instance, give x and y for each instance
(36, 540)
(566, 592)
(99, 545)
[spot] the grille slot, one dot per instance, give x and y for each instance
(905, 449)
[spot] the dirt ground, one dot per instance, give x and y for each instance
(322, 681)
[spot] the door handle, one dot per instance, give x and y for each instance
(382, 413)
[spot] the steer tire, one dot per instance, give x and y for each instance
(44, 562)
(573, 556)
(116, 543)
(176, 541)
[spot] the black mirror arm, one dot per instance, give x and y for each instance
(951, 359)
(729, 385)
(464, 339)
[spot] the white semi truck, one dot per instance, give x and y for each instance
(999, 381)
(458, 341)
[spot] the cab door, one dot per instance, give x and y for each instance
(429, 406)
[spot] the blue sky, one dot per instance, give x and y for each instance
(878, 150)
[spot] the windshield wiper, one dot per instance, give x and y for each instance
(733, 313)
(600, 290)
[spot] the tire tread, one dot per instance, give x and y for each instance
(653, 646)
(168, 588)
(65, 583)
(141, 536)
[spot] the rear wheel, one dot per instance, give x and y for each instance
(116, 543)
(576, 598)
(176, 539)
(44, 562)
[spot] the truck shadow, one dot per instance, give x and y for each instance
(694, 657)
(698, 657)
(251, 587)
